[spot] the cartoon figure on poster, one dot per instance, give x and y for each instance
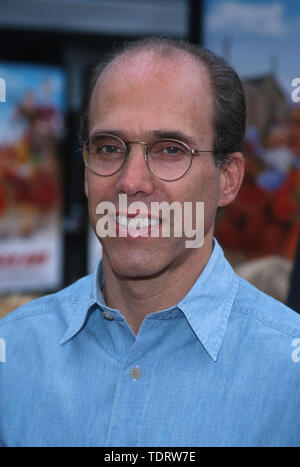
(30, 187)
(261, 229)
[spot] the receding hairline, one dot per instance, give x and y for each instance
(157, 58)
(229, 106)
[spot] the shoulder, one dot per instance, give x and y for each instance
(49, 307)
(264, 311)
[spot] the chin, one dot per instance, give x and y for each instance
(136, 261)
(136, 265)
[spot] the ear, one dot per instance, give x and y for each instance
(232, 174)
(86, 186)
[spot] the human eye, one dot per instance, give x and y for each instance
(170, 150)
(109, 149)
(104, 146)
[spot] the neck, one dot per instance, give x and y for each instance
(136, 297)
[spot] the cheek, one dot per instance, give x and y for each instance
(98, 188)
(203, 185)
(206, 188)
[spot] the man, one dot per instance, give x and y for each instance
(163, 345)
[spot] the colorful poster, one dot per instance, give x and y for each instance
(259, 39)
(31, 131)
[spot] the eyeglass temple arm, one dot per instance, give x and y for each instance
(198, 151)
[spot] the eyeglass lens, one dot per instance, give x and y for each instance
(167, 159)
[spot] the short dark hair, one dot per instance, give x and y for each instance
(229, 98)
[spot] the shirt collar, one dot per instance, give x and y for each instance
(206, 306)
(86, 301)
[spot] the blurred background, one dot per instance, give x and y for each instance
(48, 47)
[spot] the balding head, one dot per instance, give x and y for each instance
(152, 54)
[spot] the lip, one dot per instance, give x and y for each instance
(141, 215)
(146, 232)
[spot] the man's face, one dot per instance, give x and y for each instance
(137, 98)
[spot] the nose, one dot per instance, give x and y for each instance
(135, 176)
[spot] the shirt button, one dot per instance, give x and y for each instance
(107, 315)
(135, 373)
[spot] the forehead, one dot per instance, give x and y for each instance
(175, 88)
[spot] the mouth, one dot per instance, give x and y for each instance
(130, 226)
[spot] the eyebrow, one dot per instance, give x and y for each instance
(175, 134)
(163, 134)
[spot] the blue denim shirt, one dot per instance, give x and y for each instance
(219, 369)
